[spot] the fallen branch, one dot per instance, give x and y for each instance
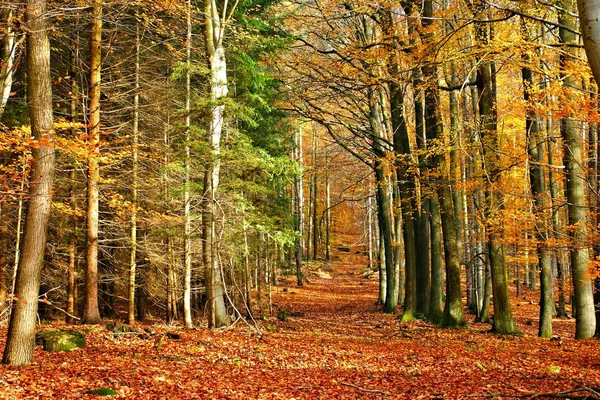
(47, 302)
(366, 390)
(593, 393)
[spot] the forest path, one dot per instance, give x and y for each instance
(335, 344)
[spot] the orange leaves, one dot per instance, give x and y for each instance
(337, 345)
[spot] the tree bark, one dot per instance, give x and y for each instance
(134, 182)
(215, 35)
(9, 48)
(91, 311)
(187, 213)
(298, 209)
(590, 30)
(21, 330)
(503, 320)
(585, 325)
(537, 179)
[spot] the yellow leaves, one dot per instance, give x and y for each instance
(67, 210)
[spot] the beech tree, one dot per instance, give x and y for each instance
(575, 186)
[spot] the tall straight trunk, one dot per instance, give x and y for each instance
(309, 219)
(19, 233)
(10, 45)
(215, 36)
(537, 181)
(369, 232)
(585, 318)
(247, 273)
(590, 29)
(71, 303)
(453, 313)
(399, 258)
(328, 212)
(381, 264)
(503, 320)
(134, 182)
(422, 226)
(91, 311)
(405, 176)
(3, 253)
(267, 275)
(484, 314)
(407, 206)
(556, 225)
(315, 204)
(20, 338)
(437, 272)
(299, 209)
(386, 229)
(187, 212)
(384, 195)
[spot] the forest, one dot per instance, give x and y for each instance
(386, 198)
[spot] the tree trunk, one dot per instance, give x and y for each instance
(327, 211)
(585, 325)
(134, 182)
(187, 213)
(3, 252)
(503, 320)
(214, 35)
(437, 272)
(537, 181)
(298, 209)
(453, 313)
(422, 228)
(590, 29)
(21, 329)
(91, 311)
(10, 45)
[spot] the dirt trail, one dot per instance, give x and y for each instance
(334, 344)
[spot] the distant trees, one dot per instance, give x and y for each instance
(397, 61)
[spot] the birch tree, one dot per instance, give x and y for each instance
(216, 22)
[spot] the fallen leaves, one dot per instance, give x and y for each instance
(333, 343)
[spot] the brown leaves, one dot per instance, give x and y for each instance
(334, 344)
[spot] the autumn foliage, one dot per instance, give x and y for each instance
(326, 340)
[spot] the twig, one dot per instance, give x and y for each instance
(366, 390)
(46, 301)
(594, 393)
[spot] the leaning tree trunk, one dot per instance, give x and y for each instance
(91, 312)
(585, 325)
(21, 330)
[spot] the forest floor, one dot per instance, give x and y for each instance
(335, 343)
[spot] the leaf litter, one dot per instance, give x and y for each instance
(334, 343)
